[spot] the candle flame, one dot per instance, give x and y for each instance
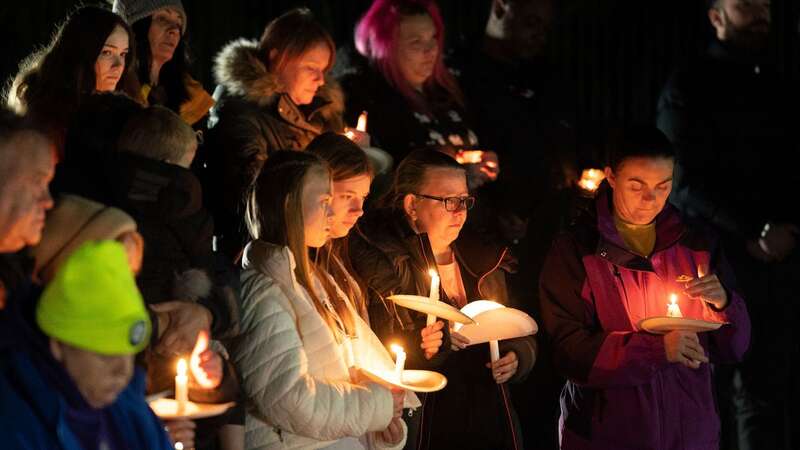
(673, 299)
(362, 122)
(591, 179)
(198, 373)
(432, 273)
(396, 349)
(181, 367)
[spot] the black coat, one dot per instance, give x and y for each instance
(253, 117)
(179, 260)
(726, 117)
(472, 412)
(397, 126)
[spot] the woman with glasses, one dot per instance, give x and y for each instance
(392, 248)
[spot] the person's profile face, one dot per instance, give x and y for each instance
(25, 196)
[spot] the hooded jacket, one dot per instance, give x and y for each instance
(473, 411)
(621, 392)
(254, 117)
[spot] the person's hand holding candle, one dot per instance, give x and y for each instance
(432, 339)
(683, 347)
(707, 288)
(458, 341)
(393, 434)
(504, 368)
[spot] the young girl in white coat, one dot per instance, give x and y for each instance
(299, 331)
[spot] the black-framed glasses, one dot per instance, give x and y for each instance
(452, 203)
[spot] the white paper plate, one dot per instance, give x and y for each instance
(495, 322)
(413, 380)
(662, 325)
(167, 409)
(423, 304)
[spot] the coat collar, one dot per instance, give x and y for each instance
(275, 261)
(669, 230)
(240, 69)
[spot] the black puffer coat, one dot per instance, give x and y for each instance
(253, 117)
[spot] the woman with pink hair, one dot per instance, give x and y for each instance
(413, 101)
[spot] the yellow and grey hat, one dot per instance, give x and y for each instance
(93, 302)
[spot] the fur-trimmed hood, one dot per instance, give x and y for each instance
(240, 69)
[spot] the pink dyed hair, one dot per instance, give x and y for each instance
(376, 35)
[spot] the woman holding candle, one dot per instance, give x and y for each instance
(393, 249)
(618, 265)
(298, 327)
(272, 95)
(413, 100)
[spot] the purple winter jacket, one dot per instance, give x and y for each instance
(621, 391)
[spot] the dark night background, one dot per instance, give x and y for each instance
(614, 54)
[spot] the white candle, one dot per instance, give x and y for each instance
(494, 350)
(673, 310)
(434, 295)
(181, 386)
(362, 122)
(399, 362)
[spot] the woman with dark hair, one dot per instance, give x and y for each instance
(413, 100)
(617, 264)
(91, 52)
(160, 34)
(272, 95)
(300, 333)
(419, 228)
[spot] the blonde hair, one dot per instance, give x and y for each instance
(275, 214)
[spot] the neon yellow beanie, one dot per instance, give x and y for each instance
(93, 302)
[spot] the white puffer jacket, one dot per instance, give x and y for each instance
(295, 378)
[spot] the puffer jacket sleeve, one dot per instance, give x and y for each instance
(274, 368)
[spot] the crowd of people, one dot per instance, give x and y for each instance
(257, 232)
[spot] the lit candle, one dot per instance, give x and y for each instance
(434, 295)
(181, 386)
(591, 179)
(673, 310)
(362, 122)
(399, 362)
(494, 350)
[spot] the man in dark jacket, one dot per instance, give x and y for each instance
(630, 388)
(727, 117)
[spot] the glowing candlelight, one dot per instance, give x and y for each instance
(673, 310)
(362, 122)
(591, 179)
(198, 373)
(399, 362)
(434, 295)
(469, 156)
(181, 386)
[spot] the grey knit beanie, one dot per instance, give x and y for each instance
(134, 10)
